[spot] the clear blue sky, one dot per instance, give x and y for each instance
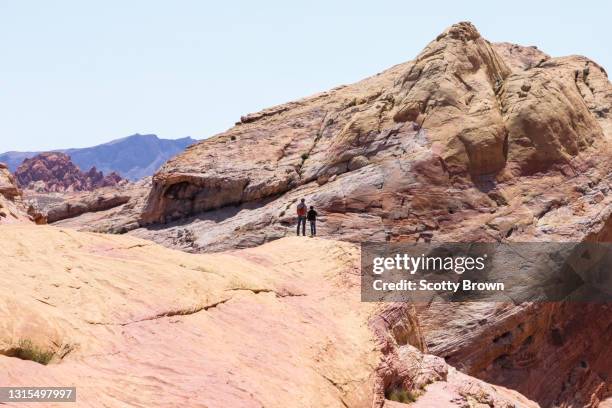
(78, 73)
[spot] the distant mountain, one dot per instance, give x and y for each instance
(14, 159)
(133, 157)
(54, 171)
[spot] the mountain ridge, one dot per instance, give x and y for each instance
(55, 172)
(133, 157)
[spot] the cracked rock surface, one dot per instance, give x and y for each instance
(130, 323)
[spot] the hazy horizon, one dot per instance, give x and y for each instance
(81, 74)
(61, 148)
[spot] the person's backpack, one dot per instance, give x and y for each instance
(301, 210)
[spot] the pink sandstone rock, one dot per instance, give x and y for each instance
(130, 323)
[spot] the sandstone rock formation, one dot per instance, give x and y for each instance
(12, 208)
(107, 209)
(470, 141)
(55, 172)
(8, 187)
(277, 326)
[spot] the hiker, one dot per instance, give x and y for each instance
(301, 214)
(312, 218)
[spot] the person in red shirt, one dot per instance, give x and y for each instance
(301, 214)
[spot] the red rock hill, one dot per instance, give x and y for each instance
(55, 172)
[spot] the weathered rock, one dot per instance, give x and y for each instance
(553, 353)
(541, 130)
(470, 141)
(54, 172)
(357, 162)
(89, 203)
(12, 208)
(109, 209)
(110, 314)
(8, 187)
(520, 58)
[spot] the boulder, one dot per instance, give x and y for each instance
(8, 187)
(12, 208)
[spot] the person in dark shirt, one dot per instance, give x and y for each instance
(312, 218)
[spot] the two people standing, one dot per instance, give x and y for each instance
(303, 215)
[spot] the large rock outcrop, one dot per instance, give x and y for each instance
(12, 208)
(8, 186)
(471, 139)
(109, 209)
(115, 310)
(434, 148)
(469, 142)
(55, 172)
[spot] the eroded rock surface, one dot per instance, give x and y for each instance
(12, 208)
(8, 187)
(469, 142)
(470, 139)
(280, 325)
(107, 209)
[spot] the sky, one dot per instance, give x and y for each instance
(78, 73)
